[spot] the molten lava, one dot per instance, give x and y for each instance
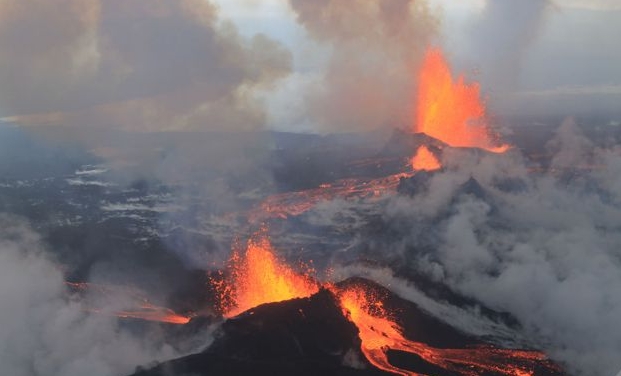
(424, 160)
(257, 276)
(379, 333)
(288, 204)
(138, 307)
(449, 110)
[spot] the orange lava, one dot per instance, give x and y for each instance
(288, 204)
(149, 312)
(451, 110)
(139, 307)
(257, 276)
(379, 333)
(376, 331)
(424, 160)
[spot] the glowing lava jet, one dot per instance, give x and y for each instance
(451, 110)
(424, 160)
(257, 276)
(380, 333)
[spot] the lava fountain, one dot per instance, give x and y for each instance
(451, 110)
(257, 276)
(424, 160)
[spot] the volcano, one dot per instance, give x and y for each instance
(319, 335)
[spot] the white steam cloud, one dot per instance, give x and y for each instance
(543, 247)
(44, 332)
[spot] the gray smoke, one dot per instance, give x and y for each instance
(136, 65)
(368, 81)
(501, 37)
(544, 247)
(44, 331)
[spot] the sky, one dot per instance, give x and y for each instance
(297, 65)
(570, 65)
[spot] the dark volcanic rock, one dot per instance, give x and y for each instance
(414, 185)
(298, 337)
(301, 329)
(417, 324)
(311, 336)
(404, 144)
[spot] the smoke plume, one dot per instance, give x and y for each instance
(368, 81)
(541, 247)
(137, 65)
(498, 43)
(46, 332)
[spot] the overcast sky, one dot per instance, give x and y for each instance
(327, 66)
(570, 65)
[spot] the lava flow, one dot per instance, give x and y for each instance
(140, 308)
(424, 160)
(449, 110)
(288, 204)
(380, 333)
(257, 276)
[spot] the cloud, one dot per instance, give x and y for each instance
(541, 247)
(368, 79)
(44, 331)
(139, 65)
(574, 90)
(597, 5)
(500, 37)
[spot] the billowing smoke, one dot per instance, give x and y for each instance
(137, 65)
(501, 37)
(44, 331)
(113, 75)
(368, 81)
(543, 247)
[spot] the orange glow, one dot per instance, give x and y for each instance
(257, 277)
(149, 312)
(139, 307)
(424, 160)
(379, 333)
(288, 204)
(449, 110)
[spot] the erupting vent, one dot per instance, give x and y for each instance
(449, 110)
(257, 276)
(424, 160)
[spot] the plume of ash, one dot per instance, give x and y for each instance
(505, 32)
(376, 47)
(44, 332)
(138, 65)
(498, 42)
(104, 73)
(543, 247)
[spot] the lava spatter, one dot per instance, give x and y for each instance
(257, 276)
(451, 110)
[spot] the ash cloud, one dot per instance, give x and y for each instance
(502, 35)
(44, 331)
(137, 65)
(543, 247)
(375, 48)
